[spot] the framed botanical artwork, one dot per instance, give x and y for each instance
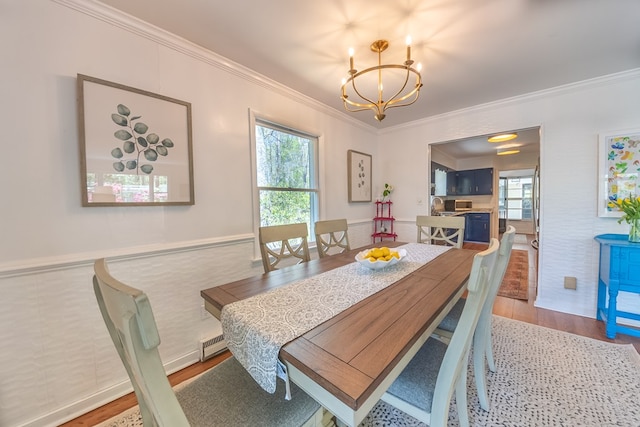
(359, 176)
(618, 169)
(135, 146)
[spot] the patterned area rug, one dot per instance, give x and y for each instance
(516, 279)
(547, 378)
(544, 378)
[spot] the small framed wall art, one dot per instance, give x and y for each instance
(359, 176)
(135, 146)
(618, 169)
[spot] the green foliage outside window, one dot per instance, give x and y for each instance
(285, 174)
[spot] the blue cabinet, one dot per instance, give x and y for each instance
(619, 270)
(477, 227)
(473, 182)
(452, 182)
(483, 181)
(465, 182)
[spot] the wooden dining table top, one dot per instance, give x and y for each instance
(353, 353)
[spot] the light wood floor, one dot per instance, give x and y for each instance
(506, 307)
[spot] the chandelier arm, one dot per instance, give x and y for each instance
(380, 106)
(372, 105)
(393, 100)
(415, 91)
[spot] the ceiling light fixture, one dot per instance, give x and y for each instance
(508, 151)
(406, 95)
(502, 137)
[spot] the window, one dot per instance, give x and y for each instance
(515, 197)
(286, 175)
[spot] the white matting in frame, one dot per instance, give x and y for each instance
(135, 146)
(618, 169)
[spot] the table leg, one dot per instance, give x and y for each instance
(602, 299)
(611, 312)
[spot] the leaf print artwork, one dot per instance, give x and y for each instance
(141, 147)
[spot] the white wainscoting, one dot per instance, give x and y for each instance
(57, 358)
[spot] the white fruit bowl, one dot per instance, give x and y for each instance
(377, 265)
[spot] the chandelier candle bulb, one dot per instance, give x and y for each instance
(408, 48)
(350, 59)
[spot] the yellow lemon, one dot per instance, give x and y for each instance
(385, 251)
(377, 252)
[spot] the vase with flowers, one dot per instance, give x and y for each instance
(630, 206)
(386, 192)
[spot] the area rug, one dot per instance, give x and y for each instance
(544, 377)
(520, 239)
(516, 279)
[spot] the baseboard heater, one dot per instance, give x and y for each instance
(211, 346)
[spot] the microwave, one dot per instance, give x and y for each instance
(457, 205)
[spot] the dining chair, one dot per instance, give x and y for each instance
(426, 385)
(283, 242)
(443, 230)
(332, 237)
(230, 398)
(482, 341)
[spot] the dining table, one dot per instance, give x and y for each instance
(347, 361)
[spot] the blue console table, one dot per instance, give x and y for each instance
(619, 271)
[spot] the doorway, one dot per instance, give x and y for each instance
(515, 201)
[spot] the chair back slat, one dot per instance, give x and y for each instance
(455, 361)
(128, 316)
(443, 230)
(332, 237)
(283, 242)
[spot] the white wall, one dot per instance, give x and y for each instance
(571, 118)
(56, 360)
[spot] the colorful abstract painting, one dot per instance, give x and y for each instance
(619, 169)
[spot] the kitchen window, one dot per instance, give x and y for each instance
(286, 178)
(515, 198)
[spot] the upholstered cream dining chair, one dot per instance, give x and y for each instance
(482, 342)
(332, 237)
(442, 230)
(283, 242)
(224, 396)
(426, 385)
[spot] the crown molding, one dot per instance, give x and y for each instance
(557, 90)
(131, 24)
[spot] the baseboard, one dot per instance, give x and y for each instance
(88, 404)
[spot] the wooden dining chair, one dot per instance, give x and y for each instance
(425, 387)
(442, 230)
(230, 398)
(283, 242)
(482, 342)
(332, 237)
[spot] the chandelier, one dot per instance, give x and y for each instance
(404, 93)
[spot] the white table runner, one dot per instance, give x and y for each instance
(256, 328)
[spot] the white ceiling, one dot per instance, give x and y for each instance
(472, 51)
(527, 141)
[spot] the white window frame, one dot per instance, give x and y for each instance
(520, 199)
(257, 118)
